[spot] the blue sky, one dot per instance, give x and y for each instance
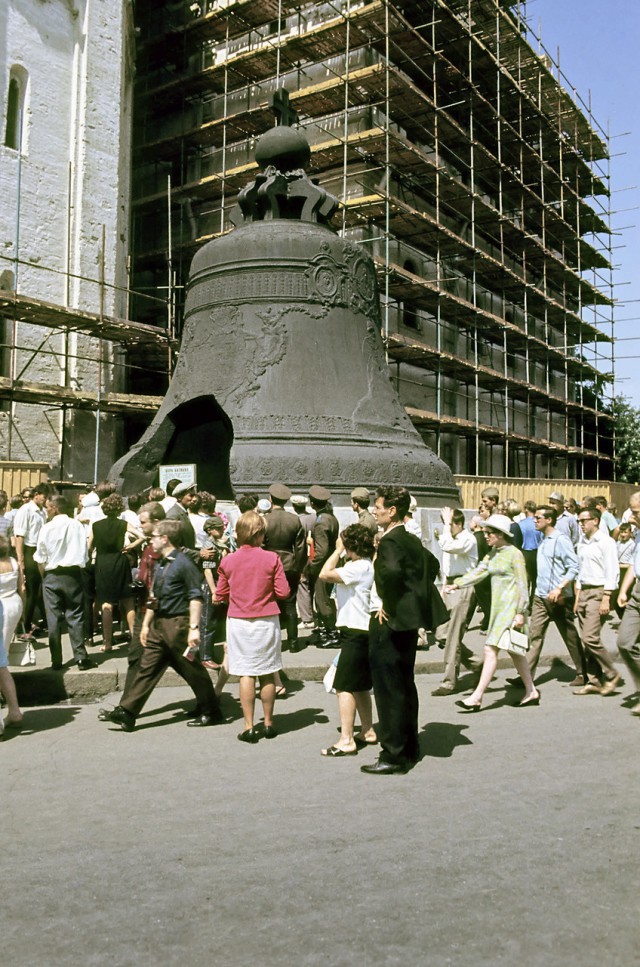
(599, 43)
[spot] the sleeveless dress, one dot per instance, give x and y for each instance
(113, 572)
(11, 609)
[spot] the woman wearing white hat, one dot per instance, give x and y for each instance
(509, 602)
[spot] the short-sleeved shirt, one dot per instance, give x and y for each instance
(176, 582)
(28, 521)
(353, 595)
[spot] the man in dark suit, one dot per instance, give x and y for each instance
(324, 534)
(286, 536)
(180, 511)
(400, 583)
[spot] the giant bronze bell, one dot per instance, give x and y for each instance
(282, 372)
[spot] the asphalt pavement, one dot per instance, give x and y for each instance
(514, 841)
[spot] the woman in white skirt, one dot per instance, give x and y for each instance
(252, 580)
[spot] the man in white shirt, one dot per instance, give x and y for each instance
(61, 555)
(629, 633)
(598, 577)
(459, 555)
(26, 528)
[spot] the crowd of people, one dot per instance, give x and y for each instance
(204, 592)
(564, 562)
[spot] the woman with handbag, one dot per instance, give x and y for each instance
(509, 603)
(352, 680)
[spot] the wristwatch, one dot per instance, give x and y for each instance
(195, 627)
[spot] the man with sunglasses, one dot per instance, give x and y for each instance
(598, 578)
(557, 568)
(629, 633)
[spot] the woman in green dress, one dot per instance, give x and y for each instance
(509, 602)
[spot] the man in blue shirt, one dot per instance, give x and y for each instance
(629, 633)
(531, 538)
(557, 568)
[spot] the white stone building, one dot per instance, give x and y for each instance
(66, 73)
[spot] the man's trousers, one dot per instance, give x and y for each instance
(392, 656)
(629, 635)
(543, 613)
(63, 591)
(166, 642)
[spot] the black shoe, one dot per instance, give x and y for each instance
(84, 664)
(380, 768)
(295, 647)
(124, 719)
(315, 637)
(202, 721)
(330, 639)
(268, 731)
(57, 666)
(462, 705)
(250, 735)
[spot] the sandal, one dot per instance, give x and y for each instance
(209, 663)
(105, 650)
(281, 691)
(333, 752)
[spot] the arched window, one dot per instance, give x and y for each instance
(16, 101)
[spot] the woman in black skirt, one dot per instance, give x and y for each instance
(352, 683)
(112, 571)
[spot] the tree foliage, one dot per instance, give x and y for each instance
(627, 430)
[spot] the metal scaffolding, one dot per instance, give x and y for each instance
(465, 163)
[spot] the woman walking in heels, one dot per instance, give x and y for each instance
(509, 603)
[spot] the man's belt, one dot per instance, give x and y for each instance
(592, 587)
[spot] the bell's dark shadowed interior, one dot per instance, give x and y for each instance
(201, 427)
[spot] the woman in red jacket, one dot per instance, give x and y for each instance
(252, 581)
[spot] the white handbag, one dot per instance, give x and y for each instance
(514, 641)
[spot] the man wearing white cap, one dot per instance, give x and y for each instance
(180, 511)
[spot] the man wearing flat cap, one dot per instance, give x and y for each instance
(183, 494)
(286, 536)
(360, 503)
(324, 534)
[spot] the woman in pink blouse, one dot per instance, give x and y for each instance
(252, 580)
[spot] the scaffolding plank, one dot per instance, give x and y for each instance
(37, 312)
(54, 396)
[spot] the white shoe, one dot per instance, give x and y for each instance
(26, 658)
(32, 654)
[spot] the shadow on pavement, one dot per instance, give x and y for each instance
(295, 721)
(42, 720)
(439, 739)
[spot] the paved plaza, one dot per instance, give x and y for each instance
(514, 841)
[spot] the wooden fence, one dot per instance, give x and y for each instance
(14, 476)
(522, 489)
